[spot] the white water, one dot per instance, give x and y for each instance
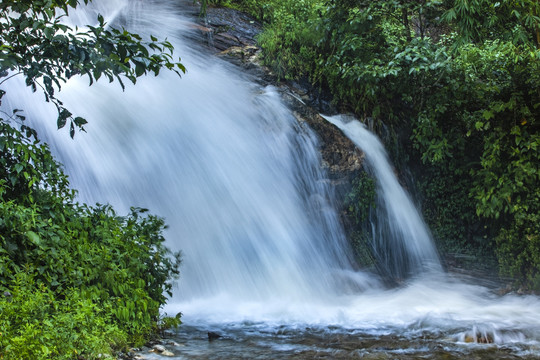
(240, 185)
(400, 235)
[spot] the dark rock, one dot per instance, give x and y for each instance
(223, 28)
(213, 336)
(234, 25)
(340, 157)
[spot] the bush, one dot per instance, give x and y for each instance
(77, 280)
(290, 37)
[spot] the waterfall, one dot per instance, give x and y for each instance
(237, 179)
(239, 182)
(401, 238)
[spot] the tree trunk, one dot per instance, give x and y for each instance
(405, 19)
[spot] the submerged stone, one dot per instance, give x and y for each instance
(213, 336)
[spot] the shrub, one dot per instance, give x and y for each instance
(78, 280)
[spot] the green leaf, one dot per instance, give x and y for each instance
(49, 33)
(18, 168)
(33, 237)
(79, 121)
(140, 69)
(487, 115)
(62, 118)
(479, 125)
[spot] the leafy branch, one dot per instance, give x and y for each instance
(36, 44)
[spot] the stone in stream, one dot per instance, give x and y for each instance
(161, 350)
(213, 336)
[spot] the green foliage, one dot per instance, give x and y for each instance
(359, 202)
(482, 125)
(76, 281)
(81, 280)
(36, 44)
(362, 247)
(289, 39)
(518, 245)
(451, 213)
(35, 324)
(206, 3)
(509, 20)
(361, 199)
(169, 322)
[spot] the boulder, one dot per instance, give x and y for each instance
(159, 348)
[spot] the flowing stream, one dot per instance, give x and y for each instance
(239, 181)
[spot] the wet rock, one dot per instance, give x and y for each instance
(213, 336)
(232, 27)
(223, 28)
(159, 348)
(479, 338)
(234, 35)
(248, 58)
(340, 157)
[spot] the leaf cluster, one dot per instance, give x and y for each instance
(35, 43)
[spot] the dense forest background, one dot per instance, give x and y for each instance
(456, 86)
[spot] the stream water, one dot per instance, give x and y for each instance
(266, 263)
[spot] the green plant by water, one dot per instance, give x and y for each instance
(76, 281)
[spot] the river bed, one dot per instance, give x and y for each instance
(259, 341)
(446, 317)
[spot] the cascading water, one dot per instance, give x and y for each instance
(239, 182)
(401, 239)
(237, 179)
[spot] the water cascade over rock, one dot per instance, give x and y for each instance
(401, 239)
(239, 182)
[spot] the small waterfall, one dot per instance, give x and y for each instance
(400, 238)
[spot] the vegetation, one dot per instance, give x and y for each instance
(76, 281)
(360, 202)
(459, 82)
